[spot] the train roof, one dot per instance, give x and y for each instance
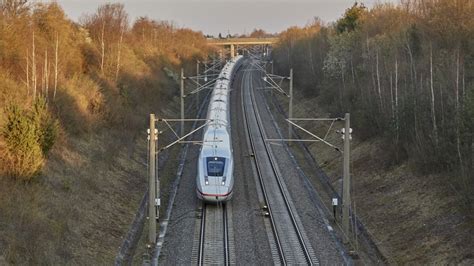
(216, 143)
(216, 137)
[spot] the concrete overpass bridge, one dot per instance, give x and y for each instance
(233, 42)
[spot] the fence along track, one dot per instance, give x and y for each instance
(284, 225)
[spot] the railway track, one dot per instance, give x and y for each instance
(214, 237)
(291, 245)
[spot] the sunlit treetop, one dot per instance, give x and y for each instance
(351, 18)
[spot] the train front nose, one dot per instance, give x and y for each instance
(214, 185)
(215, 190)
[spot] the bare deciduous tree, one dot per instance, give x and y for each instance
(56, 51)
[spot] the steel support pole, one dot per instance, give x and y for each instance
(232, 51)
(290, 107)
(151, 183)
(157, 182)
(198, 85)
(182, 102)
(346, 183)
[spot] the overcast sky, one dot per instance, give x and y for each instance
(224, 16)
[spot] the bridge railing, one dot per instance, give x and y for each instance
(230, 41)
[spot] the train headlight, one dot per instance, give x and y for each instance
(206, 180)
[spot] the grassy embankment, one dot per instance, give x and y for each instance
(78, 204)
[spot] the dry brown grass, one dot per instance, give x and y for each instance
(80, 104)
(26, 224)
(415, 218)
(80, 208)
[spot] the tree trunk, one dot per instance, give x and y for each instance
(414, 81)
(374, 87)
(392, 108)
(40, 93)
(433, 112)
(34, 67)
(374, 83)
(46, 74)
(341, 91)
(56, 66)
(353, 73)
(457, 114)
(311, 58)
(379, 91)
(118, 53)
(396, 100)
(102, 44)
(463, 95)
(289, 59)
(442, 109)
(28, 71)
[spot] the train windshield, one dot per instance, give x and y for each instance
(215, 166)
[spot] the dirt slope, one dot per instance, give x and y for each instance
(80, 207)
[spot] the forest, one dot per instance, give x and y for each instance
(406, 74)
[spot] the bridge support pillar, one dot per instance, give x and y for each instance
(232, 51)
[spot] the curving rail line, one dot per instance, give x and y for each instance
(289, 240)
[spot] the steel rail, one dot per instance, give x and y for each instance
(226, 236)
(304, 246)
(202, 236)
(260, 179)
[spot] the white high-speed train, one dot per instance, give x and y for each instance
(215, 166)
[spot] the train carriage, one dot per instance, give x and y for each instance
(215, 175)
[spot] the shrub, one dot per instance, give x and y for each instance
(46, 126)
(28, 136)
(23, 157)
